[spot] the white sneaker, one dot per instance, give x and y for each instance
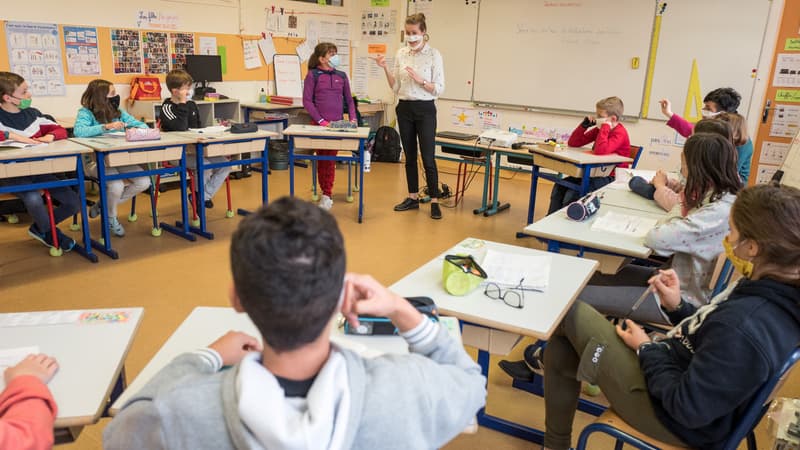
(94, 211)
(116, 227)
(325, 203)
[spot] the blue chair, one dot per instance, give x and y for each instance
(724, 277)
(612, 425)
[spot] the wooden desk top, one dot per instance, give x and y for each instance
(226, 136)
(577, 155)
(64, 147)
(542, 310)
(90, 356)
(315, 131)
(113, 143)
(269, 106)
(471, 144)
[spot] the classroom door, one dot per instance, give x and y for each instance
(780, 112)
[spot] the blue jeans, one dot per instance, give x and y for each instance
(68, 200)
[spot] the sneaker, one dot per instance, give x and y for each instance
(436, 212)
(209, 204)
(591, 390)
(325, 203)
(94, 211)
(116, 227)
(408, 203)
(526, 369)
(65, 242)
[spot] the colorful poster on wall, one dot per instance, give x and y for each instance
(155, 48)
(34, 53)
(182, 44)
(787, 70)
(126, 51)
(489, 118)
(462, 117)
(785, 121)
(83, 56)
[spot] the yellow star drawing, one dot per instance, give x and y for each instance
(462, 117)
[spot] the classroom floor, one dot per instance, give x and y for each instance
(169, 276)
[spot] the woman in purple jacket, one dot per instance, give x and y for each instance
(324, 93)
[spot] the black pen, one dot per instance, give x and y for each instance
(636, 306)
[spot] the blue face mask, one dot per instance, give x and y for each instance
(334, 61)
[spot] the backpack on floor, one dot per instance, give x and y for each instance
(387, 145)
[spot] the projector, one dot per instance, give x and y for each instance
(498, 138)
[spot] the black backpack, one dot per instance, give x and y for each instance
(387, 145)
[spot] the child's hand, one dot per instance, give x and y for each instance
(633, 335)
(365, 295)
(47, 138)
(41, 366)
(114, 126)
(234, 345)
(660, 179)
(380, 60)
(666, 108)
(668, 287)
(20, 138)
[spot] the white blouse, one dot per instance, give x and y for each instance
(428, 64)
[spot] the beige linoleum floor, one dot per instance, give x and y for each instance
(169, 276)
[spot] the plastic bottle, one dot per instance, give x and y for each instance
(367, 160)
(262, 96)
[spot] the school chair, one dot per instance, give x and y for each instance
(11, 218)
(611, 424)
(635, 154)
(468, 158)
(352, 186)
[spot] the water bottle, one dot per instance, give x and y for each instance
(262, 96)
(367, 159)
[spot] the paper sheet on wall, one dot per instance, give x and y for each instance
(327, 31)
(791, 166)
(773, 153)
(304, 51)
(489, 118)
(360, 76)
(614, 222)
(787, 70)
(11, 357)
(208, 45)
(343, 46)
(35, 53)
(785, 121)
(267, 48)
(462, 117)
(157, 20)
(312, 32)
(515, 270)
(342, 30)
(378, 24)
(764, 173)
(251, 58)
(83, 56)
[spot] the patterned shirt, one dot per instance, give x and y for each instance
(428, 65)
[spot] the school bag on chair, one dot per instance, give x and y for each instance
(387, 145)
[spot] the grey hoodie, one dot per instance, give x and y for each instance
(416, 401)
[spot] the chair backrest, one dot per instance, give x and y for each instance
(760, 403)
(723, 272)
(636, 153)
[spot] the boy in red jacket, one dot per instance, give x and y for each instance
(609, 136)
(27, 408)
(20, 122)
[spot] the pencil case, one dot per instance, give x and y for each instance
(142, 134)
(583, 208)
(461, 274)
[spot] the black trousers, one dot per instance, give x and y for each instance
(417, 120)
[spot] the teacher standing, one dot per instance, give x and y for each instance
(417, 78)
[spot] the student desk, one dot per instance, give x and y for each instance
(541, 313)
(113, 151)
(314, 138)
(467, 148)
(573, 162)
(56, 157)
(91, 358)
(249, 108)
(205, 324)
(625, 198)
(227, 144)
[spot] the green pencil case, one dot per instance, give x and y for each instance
(461, 274)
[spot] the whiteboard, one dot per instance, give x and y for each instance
(724, 36)
(452, 27)
(287, 75)
(562, 54)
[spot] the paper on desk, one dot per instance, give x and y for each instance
(115, 134)
(11, 356)
(513, 270)
(614, 222)
(623, 176)
(15, 144)
(217, 129)
(29, 319)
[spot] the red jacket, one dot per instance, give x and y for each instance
(681, 125)
(606, 141)
(27, 414)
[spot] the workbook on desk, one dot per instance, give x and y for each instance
(217, 129)
(8, 144)
(614, 222)
(513, 270)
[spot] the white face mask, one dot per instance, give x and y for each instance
(334, 61)
(708, 114)
(413, 39)
(600, 120)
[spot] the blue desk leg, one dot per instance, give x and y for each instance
(119, 386)
(264, 184)
(502, 425)
(104, 246)
(361, 150)
(587, 171)
(532, 197)
(496, 206)
(86, 249)
(200, 194)
(487, 162)
(291, 166)
(182, 231)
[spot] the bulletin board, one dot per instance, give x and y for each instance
(232, 43)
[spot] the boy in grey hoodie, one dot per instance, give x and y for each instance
(298, 390)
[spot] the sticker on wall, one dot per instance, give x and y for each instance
(34, 53)
(126, 51)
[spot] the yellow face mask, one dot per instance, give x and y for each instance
(742, 265)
